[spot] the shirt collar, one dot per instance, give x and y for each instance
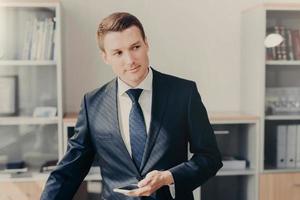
(146, 84)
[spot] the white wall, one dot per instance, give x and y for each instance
(194, 39)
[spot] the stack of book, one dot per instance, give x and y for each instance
(288, 146)
(232, 163)
(289, 49)
(39, 39)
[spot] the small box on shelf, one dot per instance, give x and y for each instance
(232, 163)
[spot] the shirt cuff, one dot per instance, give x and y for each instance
(172, 190)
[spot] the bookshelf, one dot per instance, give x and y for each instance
(270, 90)
(237, 136)
(30, 52)
(262, 74)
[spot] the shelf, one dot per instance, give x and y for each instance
(34, 4)
(42, 177)
(231, 118)
(282, 62)
(70, 118)
(34, 140)
(33, 177)
(282, 117)
(274, 6)
(27, 63)
(281, 170)
(27, 120)
(215, 118)
(236, 172)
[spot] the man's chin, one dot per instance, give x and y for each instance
(134, 81)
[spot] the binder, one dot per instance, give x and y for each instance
(281, 136)
(298, 147)
(291, 146)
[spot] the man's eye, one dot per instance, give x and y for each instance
(118, 53)
(136, 47)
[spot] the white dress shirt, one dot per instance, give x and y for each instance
(124, 107)
(125, 103)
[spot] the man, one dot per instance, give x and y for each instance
(138, 126)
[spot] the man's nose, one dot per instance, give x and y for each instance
(129, 59)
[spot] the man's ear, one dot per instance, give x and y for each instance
(104, 56)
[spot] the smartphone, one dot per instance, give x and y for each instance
(126, 188)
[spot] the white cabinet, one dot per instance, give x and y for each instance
(270, 81)
(270, 89)
(238, 141)
(30, 54)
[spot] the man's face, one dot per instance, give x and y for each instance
(127, 53)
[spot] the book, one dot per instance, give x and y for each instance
(49, 39)
(298, 147)
(281, 136)
(34, 41)
(27, 40)
(232, 163)
(296, 43)
(283, 44)
(291, 146)
(290, 53)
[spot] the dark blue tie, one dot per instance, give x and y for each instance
(137, 127)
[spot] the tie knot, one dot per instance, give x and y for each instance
(134, 94)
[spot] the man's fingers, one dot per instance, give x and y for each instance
(144, 182)
(152, 173)
(147, 179)
(153, 181)
(143, 191)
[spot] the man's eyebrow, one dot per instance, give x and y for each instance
(133, 44)
(115, 50)
(138, 42)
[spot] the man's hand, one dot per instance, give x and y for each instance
(152, 182)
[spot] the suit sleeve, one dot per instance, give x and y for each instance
(206, 159)
(64, 181)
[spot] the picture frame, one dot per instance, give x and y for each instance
(8, 95)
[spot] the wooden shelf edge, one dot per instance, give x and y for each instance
(231, 117)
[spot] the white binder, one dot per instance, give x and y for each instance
(281, 136)
(298, 147)
(291, 146)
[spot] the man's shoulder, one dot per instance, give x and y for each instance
(101, 90)
(172, 79)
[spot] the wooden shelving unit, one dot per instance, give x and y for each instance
(25, 138)
(259, 74)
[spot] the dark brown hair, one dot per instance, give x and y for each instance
(117, 22)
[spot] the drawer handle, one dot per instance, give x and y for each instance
(224, 132)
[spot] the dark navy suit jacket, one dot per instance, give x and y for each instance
(178, 118)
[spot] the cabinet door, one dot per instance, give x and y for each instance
(21, 190)
(31, 190)
(280, 186)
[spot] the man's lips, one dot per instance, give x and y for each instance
(134, 69)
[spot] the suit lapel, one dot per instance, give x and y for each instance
(160, 94)
(110, 101)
